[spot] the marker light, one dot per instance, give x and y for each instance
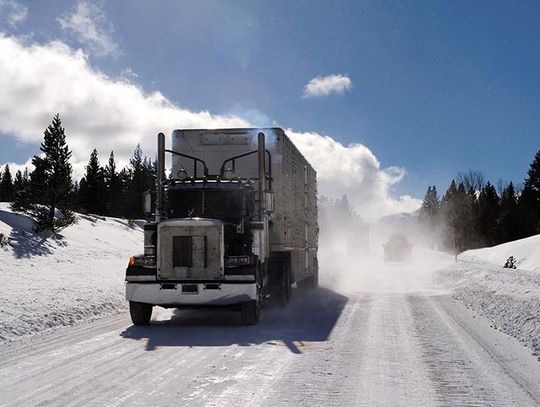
(182, 174)
(228, 174)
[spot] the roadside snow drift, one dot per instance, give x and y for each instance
(508, 298)
(52, 281)
(526, 252)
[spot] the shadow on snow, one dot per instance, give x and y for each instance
(24, 241)
(310, 317)
(28, 244)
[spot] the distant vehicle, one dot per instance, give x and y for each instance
(235, 223)
(397, 248)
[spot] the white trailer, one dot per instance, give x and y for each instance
(236, 223)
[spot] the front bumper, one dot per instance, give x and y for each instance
(179, 294)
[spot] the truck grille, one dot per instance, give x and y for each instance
(182, 251)
(190, 249)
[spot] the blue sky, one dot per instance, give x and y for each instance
(437, 87)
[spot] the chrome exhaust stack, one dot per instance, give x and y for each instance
(160, 177)
(262, 173)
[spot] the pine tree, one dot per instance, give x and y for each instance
(18, 182)
(115, 192)
(456, 213)
(472, 234)
(528, 216)
(464, 214)
(124, 177)
(508, 218)
(38, 188)
(429, 216)
(7, 190)
(448, 216)
(92, 191)
(21, 186)
(530, 199)
(142, 178)
(74, 196)
(431, 205)
(533, 177)
(488, 214)
(50, 182)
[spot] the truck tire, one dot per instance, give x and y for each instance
(140, 313)
(250, 312)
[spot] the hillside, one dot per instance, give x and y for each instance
(53, 281)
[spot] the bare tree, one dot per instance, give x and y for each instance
(471, 179)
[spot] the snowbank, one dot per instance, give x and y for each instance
(525, 251)
(49, 282)
(509, 298)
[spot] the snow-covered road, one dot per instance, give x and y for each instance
(378, 348)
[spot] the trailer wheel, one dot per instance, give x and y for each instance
(140, 313)
(250, 312)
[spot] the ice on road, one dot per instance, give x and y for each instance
(372, 348)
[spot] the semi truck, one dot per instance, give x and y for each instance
(235, 224)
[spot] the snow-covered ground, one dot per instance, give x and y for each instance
(48, 282)
(57, 281)
(508, 298)
(389, 348)
(377, 334)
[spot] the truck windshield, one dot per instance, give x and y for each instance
(220, 204)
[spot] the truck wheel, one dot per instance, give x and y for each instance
(250, 312)
(140, 313)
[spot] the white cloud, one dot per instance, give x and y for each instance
(324, 85)
(354, 170)
(14, 167)
(38, 81)
(12, 12)
(127, 75)
(91, 28)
